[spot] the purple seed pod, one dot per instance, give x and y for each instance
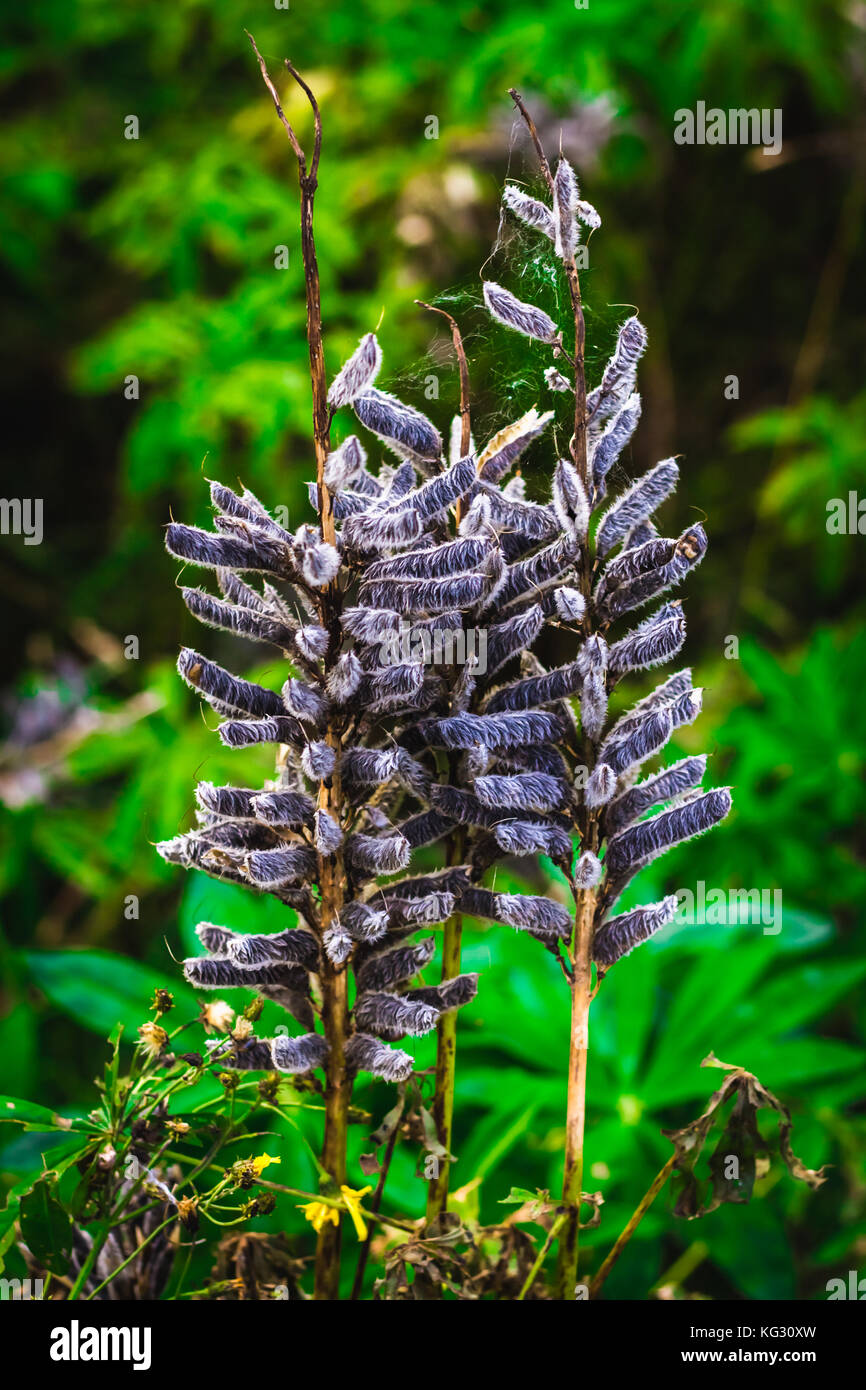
(587, 872)
(525, 791)
(247, 509)
(613, 441)
(633, 562)
(207, 972)
(226, 801)
(294, 946)
(244, 733)
(528, 694)
(522, 837)
(565, 198)
(593, 705)
(405, 430)
(320, 564)
(631, 849)
(437, 494)
(618, 378)
(275, 868)
(656, 640)
(542, 916)
(312, 641)
(556, 381)
(424, 595)
(358, 374)
(503, 450)
(255, 551)
(371, 625)
(668, 693)
(455, 880)
(540, 570)
(425, 828)
(635, 505)
(326, 833)
(570, 604)
(305, 702)
(337, 943)
(393, 1016)
(298, 1055)
(372, 532)
(680, 777)
(345, 465)
(619, 935)
(421, 912)
(515, 514)
(377, 854)
(688, 552)
(523, 318)
(634, 738)
(317, 761)
(227, 692)
(439, 562)
(506, 730)
(214, 939)
(363, 923)
(343, 504)
(570, 500)
(508, 639)
(529, 210)
(386, 969)
(364, 1053)
(462, 807)
(600, 786)
(290, 810)
(245, 622)
(344, 678)
(587, 214)
(252, 1054)
(451, 994)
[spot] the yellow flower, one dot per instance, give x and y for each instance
(353, 1206)
(318, 1213)
(262, 1162)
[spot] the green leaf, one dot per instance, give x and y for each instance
(101, 990)
(32, 1116)
(45, 1227)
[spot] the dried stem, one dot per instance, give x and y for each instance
(634, 1221)
(335, 1000)
(586, 898)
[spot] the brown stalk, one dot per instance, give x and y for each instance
(585, 898)
(334, 980)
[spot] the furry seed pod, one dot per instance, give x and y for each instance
(299, 1055)
(680, 777)
(587, 214)
(541, 917)
(318, 760)
(528, 694)
(688, 552)
(375, 766)
(312, 641)
(531, 521)
(382, 530)
(506, 730)
(634, 738)
(320, 564)
(639, 844)
(364, 1053)
(326, 833)
(424, 595)
(508, 639)
(556, 381)
(377, 854)
(523, 318)
(438, 562)
(539, 571)
(226, 801)
(257, 551)
(304, 702)
(208, 972)
(426, 828)
(601, 785)
(345, 464)
(570, 604)
(274, 868)
(588, 870)
(248, 509)
(214, 939)
(635, 505)
(294, 946)
(420, 912)
(526, 791)
(616, 937)
(344, 678)
(393, 1016)
(570, 501)
(362, 922)
(523, 837)
(462, 807)
(389, 968)
(226, 692)
(503, 450)
(437, 494)
(250, 1054)
(337, 943)
(565, 199)
(529, 210)
(358, 374)
(631, 563)
(656, 640)
(619, 374)
(593, 705)
(405, 430)
(451, 994)
(245, 733)
(612, 442)
(245, 622)
(455, 880)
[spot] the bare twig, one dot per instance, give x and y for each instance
(628, 1231)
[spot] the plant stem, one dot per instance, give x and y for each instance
(540, 1257)
(628, 1230)
(331, 876)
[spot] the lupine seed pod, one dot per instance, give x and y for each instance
(345, 465)
(523, 318)
(298, 1055)
(404, 429)
(565, 200)
(529, 210)
(358, 374)
(616, 937)
(365, 1053)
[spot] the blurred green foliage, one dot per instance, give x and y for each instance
(155, 257)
